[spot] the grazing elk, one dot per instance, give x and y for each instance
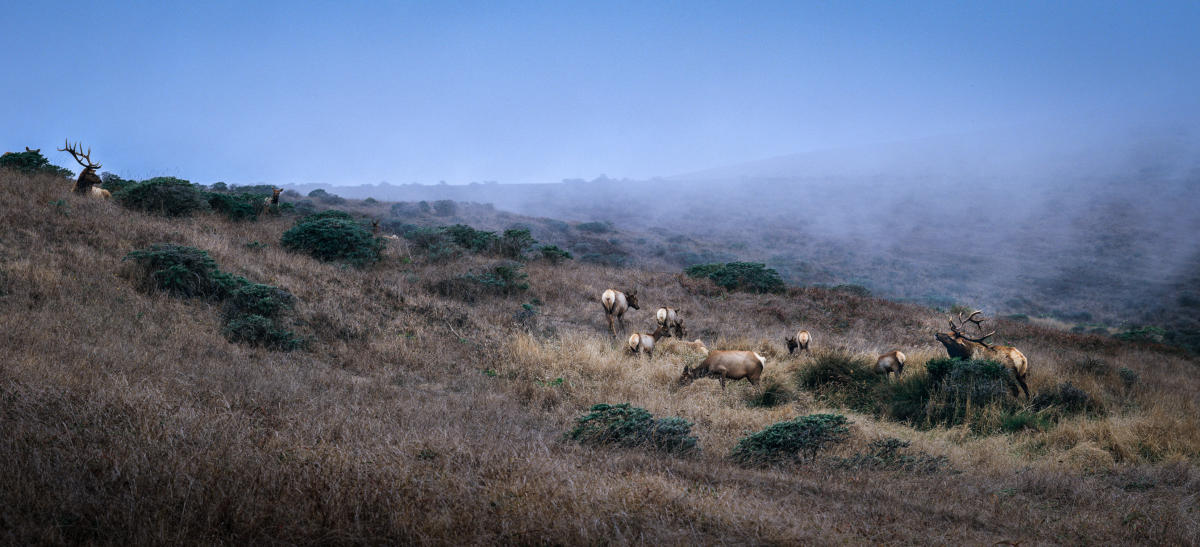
(89, 182)
(616, 303)
(644, 343)
(672, 320)
(958, 344)
(726, 365)
(800, 340)
(890, 362)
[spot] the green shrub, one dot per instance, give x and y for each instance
(328, 213)
(514, 243)
(113, 183)
(742, 276)
(166, 196)
(370, 201)
(594, 227)
(257, 330)
(555, 255)
(334, 240)
(842, 379)
(476, 241)
(444, 208)
(259, 299)
(1142, 334)
(32, 162)
(186, 271)
(1128, 376)
(435, 243)
(792, 440)
(625, 425)
(770, 394)
(503, 279)
(1022, 420)
(236, 206)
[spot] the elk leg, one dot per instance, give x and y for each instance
(1023, 387)
(722, 379)
(611, 328)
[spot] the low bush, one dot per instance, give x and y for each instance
(842, 379)
(594, 227)
(236, 206)
(185, 271)
(434, 243)
(476, 241)
(793, 440)
(167, 196)
(334, 239)
(554, 254)
(253, 313)
(113, 183)
(328, 213)
(626, 425)
(740, 276)
(514, 243)
(256, 330)
(445, 208)
(770, 394)
(502, 279)
(32, 162)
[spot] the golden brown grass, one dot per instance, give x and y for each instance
(127, 418)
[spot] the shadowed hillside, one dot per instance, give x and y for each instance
(429, 400)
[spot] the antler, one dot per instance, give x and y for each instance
(970, 319)
(76, 152)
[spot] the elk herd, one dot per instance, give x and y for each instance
(725, 365)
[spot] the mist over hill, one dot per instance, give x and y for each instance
(1093, 228)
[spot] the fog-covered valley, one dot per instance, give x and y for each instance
(1098, 230)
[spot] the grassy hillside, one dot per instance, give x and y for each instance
(420, 414)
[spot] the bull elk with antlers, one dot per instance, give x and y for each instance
(958, 344)
(89, 182)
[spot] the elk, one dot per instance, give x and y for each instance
(800, 340)
(672, 319)
(616, 303)
(273, 201)
(644, 343)
(727, 365)
(375, 227)
(958, 344)
(890, 362)
(88, 182)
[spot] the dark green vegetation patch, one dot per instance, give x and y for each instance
(740, 276)
(793, 440)
(32, 162)
(332, 238)
(167, 196)
(625, 425)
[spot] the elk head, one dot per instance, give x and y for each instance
(275, 195)
(88, 177)
(687, 377)
(958, 343)
(631, 299)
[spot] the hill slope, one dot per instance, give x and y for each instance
(420, 418)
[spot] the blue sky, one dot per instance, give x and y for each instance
(349, 93)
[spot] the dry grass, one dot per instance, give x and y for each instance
(128, 418)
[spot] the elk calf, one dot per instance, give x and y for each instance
(890, 362)
(672, 319)
(800, 340)
(89, 182)
(616, 303)
(959, 345)
(644, 343)
(727, 365)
